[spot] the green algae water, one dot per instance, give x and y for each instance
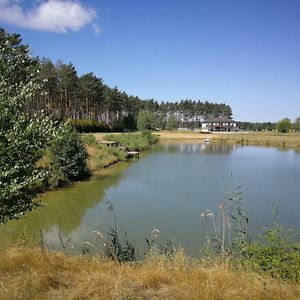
(168, 189)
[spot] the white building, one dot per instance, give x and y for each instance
(219, 124)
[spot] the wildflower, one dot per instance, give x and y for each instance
(98, 234)
(87, 244)
(207, 214)
(154, 233)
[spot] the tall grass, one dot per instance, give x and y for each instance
(234, 268)
(100, 155)
(134, 142)
(278, 255)
(32, 274)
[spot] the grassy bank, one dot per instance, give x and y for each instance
(101, 155)
(35, 274)
(269, 139)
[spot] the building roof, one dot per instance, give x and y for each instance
(218, 120)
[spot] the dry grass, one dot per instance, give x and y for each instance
(99, 157)
(100, 135)
(34, 274)
(272, 139)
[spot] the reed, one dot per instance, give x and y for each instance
(29, 273)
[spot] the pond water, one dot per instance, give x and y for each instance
(168, 189)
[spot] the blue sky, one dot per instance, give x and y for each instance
(243, 53)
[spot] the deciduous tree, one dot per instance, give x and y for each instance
(23, 136)
(284, 125)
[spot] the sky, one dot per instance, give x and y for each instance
(245, 53)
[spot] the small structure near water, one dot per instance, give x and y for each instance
(109, 143)
(219, 124)
(133, 154)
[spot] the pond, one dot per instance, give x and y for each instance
(168, 189)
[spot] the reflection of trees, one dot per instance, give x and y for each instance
(219, 148)
(209, 148)
(65, 206)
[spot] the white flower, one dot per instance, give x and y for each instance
(154, 233)
(98, 234)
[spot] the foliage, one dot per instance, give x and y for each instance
(167, 250)
(99, 155)
(68, 155)
(119, 153)
(257, 126)
(89, 139)
(120, 250)
(230, 229)
(69, 96)
(133, 141)
(279, 257)
(116, 247)
(146, 120)
(297, 124)
(23, 136)
(89, 125)
(284, 125)
(172, 123)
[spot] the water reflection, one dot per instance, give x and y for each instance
(207, 148)
(62, 210)
(167, 189)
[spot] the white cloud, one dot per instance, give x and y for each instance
(51, 15)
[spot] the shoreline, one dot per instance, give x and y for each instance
(265, 139)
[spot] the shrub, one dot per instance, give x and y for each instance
(278, 262)
(89, 139)
(172, 123)
(68, 156)
(89, 125)
(134, 142)
(120, 154)
(279, 257)
(284, 125)
(146, 120)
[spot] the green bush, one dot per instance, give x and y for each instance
(146, 120)
(68, 157)
(279, 256)
(133, 142)
(172, 123)
(284, 125)
(89, 125)
(278, 262)
(89, 139)
(120, 154)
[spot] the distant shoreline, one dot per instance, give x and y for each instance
(266, 139)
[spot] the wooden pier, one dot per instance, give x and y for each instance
(109, 143)
(133, 154)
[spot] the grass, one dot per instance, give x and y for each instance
(271, 139)
(101, 156)
(133, 142)
(36, 274)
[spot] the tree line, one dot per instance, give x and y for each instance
(86, 97)
(67, 95)
(285, 125)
